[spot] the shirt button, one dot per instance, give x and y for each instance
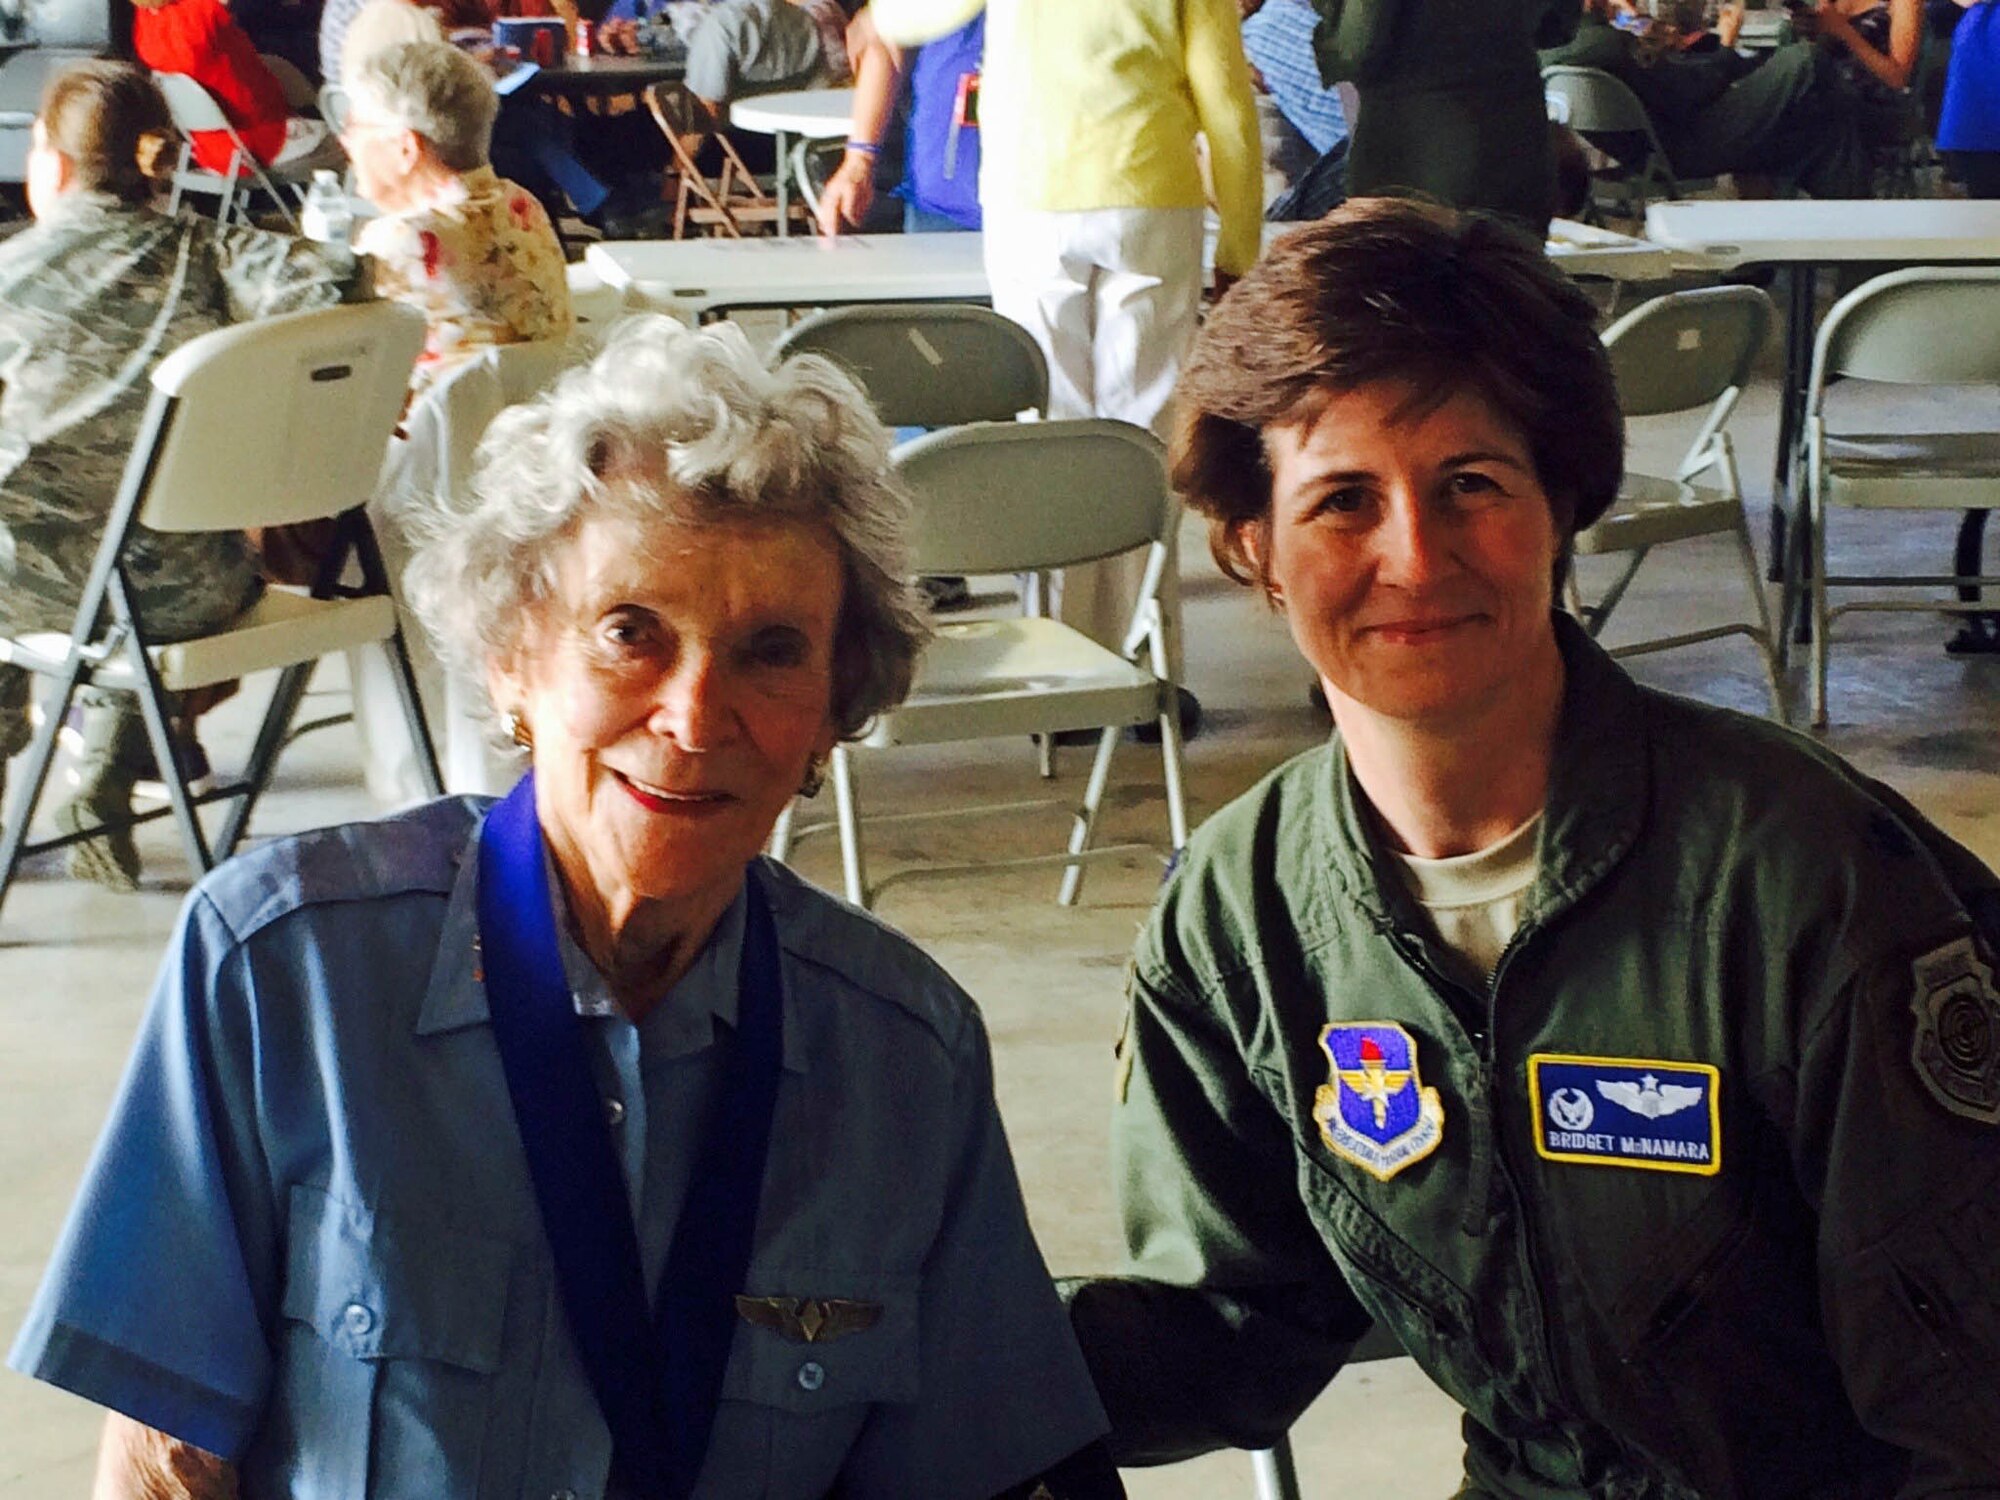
(614, 1112)
(562, 1495)
(812, 1375)
(357, 1320)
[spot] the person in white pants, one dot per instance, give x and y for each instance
(1093, 198)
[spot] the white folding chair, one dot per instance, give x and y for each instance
(333, 105)
(428, 469)
(262, 424)
(194, 109)
(1683, 352)
(1002, 497)
(929, 364)
(1926, 326)
(1591, 101)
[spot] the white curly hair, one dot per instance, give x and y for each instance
(688, 427)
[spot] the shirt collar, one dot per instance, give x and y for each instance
(1599, 788)
(706, 994)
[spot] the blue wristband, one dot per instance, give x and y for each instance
(866, 148)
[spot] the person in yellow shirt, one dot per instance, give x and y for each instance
(1092, 193)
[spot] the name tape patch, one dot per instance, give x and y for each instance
(1627, 1112)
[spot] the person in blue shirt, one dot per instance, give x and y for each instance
(1968, 133)
(939, 82)
(1278, 40)
(563, 1146)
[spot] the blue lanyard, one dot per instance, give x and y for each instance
(657, 1375)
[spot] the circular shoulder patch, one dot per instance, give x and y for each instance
(1956, 1050)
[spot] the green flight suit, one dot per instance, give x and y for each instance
(1719, 111)
(1450, 98)
(1818, 1318)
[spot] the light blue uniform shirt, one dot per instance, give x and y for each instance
(308, 1240)
(1278, 40)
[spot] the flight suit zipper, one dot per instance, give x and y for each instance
(1557, 1393)
(1487, 1154)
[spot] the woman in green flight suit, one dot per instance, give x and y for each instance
(1451, 98)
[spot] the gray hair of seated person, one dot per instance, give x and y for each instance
(688, 428)
(435, 90)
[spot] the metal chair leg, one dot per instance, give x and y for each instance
(850, 827)
(35, 772)
(1816, 551)
(1766, 644)
(413, 712)
(1276, 1477)
(271, 734)
(1085, 824)
(160, 735)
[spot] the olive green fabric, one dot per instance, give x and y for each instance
(1450, 98)
(1818, 1319)
(1718, 111)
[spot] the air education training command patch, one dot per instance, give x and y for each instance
(1957, 1046)
(1374, 1110)
(1627, 1112)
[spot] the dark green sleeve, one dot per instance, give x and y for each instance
(1233, 1316)
(1896, 1140)
(1355, 38)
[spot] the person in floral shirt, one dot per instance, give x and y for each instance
(473, 251)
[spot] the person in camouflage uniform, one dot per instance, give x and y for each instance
(92, 296)
(1635, 1062)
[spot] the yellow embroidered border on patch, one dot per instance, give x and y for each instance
(1645, 1113)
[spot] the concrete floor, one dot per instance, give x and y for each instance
(75, 963)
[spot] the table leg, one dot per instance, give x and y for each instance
(1978, 634)
(1799, 282)
(1788, 507)
(784, 185)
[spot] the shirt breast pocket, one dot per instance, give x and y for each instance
(393, 1330)
(793, 1405)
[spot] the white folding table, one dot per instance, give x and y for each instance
(1803, 236)
(816, 114)
(697, 279)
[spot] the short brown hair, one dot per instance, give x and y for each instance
(109, 121)
(1394, 289)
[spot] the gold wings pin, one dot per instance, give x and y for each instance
(809, 1320)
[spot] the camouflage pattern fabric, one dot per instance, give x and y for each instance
(92, 296)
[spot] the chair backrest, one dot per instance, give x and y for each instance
(333, 106)
(284, 419)
(1927, 325)
(1017, 497)
(1594, 100)
(929, 364)
(299, 93)
(1685, 349)
(463, 404)
(192, 106)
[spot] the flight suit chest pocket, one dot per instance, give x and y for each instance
(394, 1329)
(808, 1363)
(1430, 1315)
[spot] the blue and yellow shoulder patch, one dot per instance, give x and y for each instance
(1627, 1112)
(1374, 1109)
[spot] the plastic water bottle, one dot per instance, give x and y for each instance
(327, 215)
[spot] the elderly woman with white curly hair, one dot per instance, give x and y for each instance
(474, 252)
(563, 1145)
